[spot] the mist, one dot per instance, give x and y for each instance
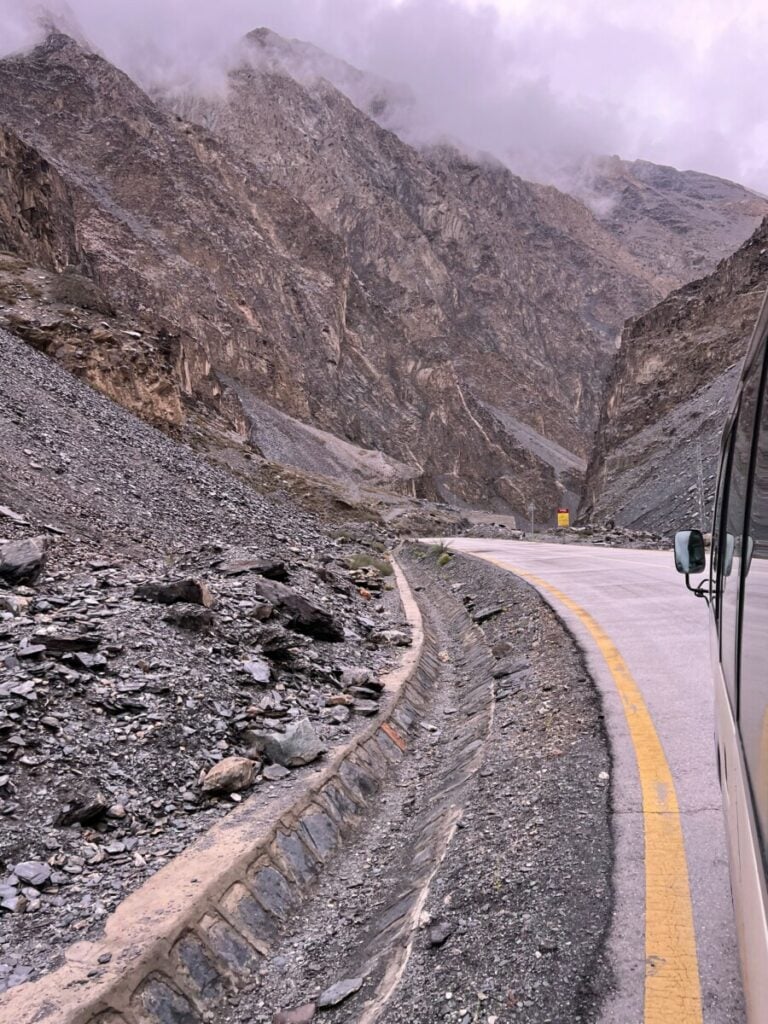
(674, 82)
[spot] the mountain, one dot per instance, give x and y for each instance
(657, 442)
(679, 224)
(281, 266)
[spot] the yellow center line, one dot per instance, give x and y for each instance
(672, 988)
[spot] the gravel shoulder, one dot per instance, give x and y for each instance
(517, 909)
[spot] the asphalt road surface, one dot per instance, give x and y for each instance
(672, 943)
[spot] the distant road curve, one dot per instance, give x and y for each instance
(672, 942)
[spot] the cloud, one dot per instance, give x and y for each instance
(673, 81)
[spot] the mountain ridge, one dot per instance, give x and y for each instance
(416, 304)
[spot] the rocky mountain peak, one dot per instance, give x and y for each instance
(679, 224)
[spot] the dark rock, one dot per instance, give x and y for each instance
(275, 772)
(188, 591)
(84, 809)
(191, 617)
(30, 651)
(334, 581)
(277, 644)
(22, 561)
(271, 590)
(440, 932)
(305, 616)
(365, 707)
(272, 569)
(67, 641)
(311, 619)
(92, 662)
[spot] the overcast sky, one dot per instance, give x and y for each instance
(535, 81)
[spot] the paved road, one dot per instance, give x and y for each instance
(646, 642)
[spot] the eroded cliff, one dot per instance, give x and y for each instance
(657, 441)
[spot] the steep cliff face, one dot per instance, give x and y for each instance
(48, 295)
(359, 326)
(37, 219)
(657, 440)
(517, 286)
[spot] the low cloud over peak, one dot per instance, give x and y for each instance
(676, 84)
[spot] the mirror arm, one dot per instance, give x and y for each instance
(702, 590)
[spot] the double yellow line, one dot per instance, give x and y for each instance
(672, 987)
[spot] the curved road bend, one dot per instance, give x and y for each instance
(672, 942)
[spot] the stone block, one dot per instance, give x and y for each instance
(157, 1001)
(320, 832)
(229, 946)
(249, 915)
(195, 965)
(360, 783)
(345, 806)
(272, 891)
(295, 855)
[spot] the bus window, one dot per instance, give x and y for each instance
(753, 681)
(730, 544)
(717, 523)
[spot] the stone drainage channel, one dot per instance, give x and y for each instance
(349, 915)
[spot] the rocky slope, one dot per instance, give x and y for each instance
(112, 703)
(668, 394)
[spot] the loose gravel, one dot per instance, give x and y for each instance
(516, 917)
(144, 698)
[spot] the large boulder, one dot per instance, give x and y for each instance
(297, 746)
(191, 617)
(309, 618)
(230, 775)
(304, 615)
(22, 561)
(175, 592)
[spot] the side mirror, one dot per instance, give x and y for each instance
(690, 554)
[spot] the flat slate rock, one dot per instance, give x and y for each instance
(270, 568)
(297, 746)
(487, 613)
(339, 992)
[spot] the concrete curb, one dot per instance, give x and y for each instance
(179, 942)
